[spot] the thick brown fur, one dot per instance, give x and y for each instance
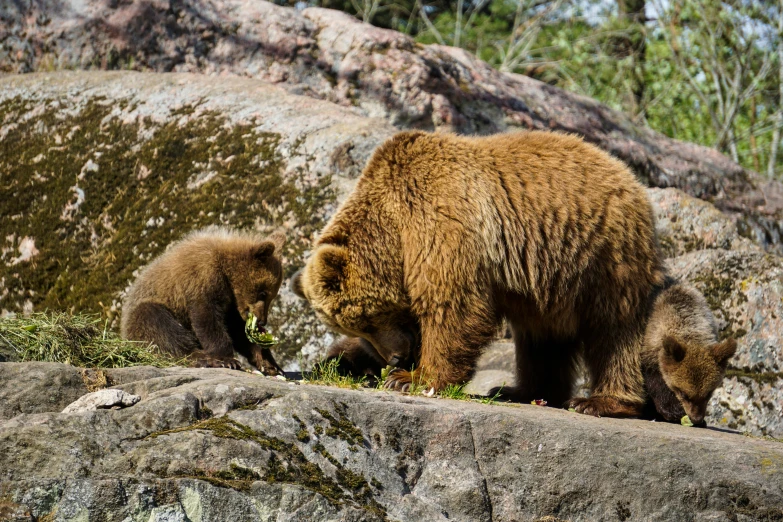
(682, 360)
(445, 236)
(193, 300)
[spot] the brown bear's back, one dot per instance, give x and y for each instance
(544, 215)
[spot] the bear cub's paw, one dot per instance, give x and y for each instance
(507, 393)
(208, 361)
(265, 362)
(604, 406)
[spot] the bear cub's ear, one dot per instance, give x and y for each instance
(278, 239)
(724, 351)
(273, 243)
(263, 250)
(673, 351)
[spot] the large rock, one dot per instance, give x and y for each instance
(102, 170)
(38, 387)
(330, 55)
(223, 445)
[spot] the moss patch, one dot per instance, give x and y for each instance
(287, 464)
(100, 197)
(236, 477)
(770, 378)
(342, 428)
(722, 290)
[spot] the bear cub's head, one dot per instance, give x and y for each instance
(682, 336)
(359, 300)
(255, 274)
(694, 371)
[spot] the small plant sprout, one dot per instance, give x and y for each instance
(494, 398)
(327, 372)
(258, 336)
(384, 375)
(455, 391)
(686, 421)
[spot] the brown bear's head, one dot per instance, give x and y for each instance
(693, 372)
(255, 274)
(360, 296)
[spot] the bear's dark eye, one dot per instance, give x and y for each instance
(262, 295)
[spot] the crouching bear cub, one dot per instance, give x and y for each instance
(682, 361)
(445, 236)
(194, 299)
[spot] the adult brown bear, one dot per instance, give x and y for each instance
(444, 236)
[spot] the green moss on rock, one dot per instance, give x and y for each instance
(101, 196)
(287, 464)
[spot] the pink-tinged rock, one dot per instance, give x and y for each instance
(330, 55)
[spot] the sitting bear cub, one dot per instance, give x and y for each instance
(445, 236)
(194, 299)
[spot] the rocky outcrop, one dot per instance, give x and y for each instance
(225, 445)
(329, 55)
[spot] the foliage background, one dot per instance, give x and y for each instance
(705, 71)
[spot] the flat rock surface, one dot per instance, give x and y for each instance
(224, 445)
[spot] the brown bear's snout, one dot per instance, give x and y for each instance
(296, 283)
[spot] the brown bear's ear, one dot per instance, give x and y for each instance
(329, 266)
(724, 351)
(673, 351)
(263, 250)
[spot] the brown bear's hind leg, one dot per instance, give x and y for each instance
(603, 406)
(545, 369)
(154, 323)
(617, 387)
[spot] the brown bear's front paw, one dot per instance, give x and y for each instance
(398, 380)
(409, 382)
(603, 406)
(217, 362)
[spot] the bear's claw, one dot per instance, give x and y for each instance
(398, 380)
(603, 406)
(218, 362)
